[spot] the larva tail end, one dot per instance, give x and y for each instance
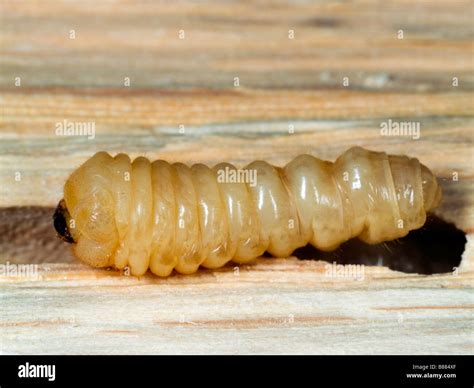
(60, 220)
(432, 193)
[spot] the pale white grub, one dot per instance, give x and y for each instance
(145, 215)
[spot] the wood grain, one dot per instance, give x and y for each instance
(141, 40)
(273, 306)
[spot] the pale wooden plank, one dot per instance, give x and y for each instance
(276, 306)
(140, 40)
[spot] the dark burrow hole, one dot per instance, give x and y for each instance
(435, 248)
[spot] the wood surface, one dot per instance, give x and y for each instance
(275, 306)
(182, 105)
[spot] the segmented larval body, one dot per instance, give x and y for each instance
(163, 216)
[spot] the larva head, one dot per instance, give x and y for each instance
(61, 220)
(86, 216)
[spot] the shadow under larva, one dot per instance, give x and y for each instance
(437, 247)
(164, 217)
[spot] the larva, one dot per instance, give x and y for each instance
(165, 216)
